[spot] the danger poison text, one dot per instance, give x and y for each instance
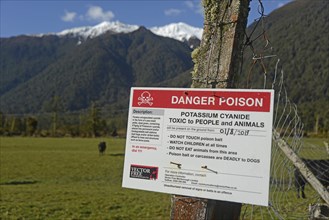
(221, 101)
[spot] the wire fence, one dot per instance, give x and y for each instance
(265, 71)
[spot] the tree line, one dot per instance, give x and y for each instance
(91, 123)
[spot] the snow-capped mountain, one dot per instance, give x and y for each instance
(179, 31)
(94, 31)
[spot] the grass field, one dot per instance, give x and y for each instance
(65, 178)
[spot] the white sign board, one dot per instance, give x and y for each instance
(208, 143)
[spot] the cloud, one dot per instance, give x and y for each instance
(98, 14)
(189, 4)
(69, 16)
(172, 12)
(195, 6)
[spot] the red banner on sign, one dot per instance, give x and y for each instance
(254, 101)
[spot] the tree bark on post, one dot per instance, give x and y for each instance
(217, 62)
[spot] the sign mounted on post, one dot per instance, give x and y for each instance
(208, 143)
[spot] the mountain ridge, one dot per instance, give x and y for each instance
(102, 69)
(179, 31)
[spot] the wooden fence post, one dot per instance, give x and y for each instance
(300, 165)
(217, 61)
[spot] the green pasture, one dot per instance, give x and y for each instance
(65, 178)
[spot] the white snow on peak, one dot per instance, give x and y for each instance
(95, 31)
(179, 31)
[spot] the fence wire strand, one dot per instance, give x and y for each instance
(283, 201)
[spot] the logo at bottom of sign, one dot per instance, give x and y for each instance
(143, 172)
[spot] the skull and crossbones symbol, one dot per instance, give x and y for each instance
(145, 98)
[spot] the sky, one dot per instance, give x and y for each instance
(50, 16)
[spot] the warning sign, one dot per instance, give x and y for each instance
(207, 143)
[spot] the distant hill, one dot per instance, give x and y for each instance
(99, 64)
(298, 33)
(102, 69)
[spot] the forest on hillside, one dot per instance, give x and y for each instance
(296, 35)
